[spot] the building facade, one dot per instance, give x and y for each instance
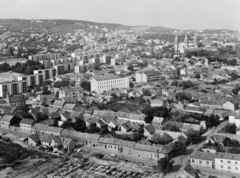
(107, 83)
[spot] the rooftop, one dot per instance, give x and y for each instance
(108, 77)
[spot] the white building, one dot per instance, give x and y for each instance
(109, 82)
(148, 76)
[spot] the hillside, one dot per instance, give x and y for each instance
(54, 26)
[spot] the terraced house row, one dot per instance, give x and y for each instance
(48, 136)
(125, 149)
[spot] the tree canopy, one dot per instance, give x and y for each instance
(165, 164)
(151, 112)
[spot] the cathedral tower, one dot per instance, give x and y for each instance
(195, 41)
(186, 42)
(176, 43)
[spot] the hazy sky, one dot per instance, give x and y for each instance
(182, 14)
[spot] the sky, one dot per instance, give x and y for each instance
(180, 14)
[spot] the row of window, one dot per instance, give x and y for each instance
(111, 81)
(229, 167)
(229, 162)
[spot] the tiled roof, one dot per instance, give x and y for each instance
(27, 121)
(7, 118)
(16, 98)
(203, 156)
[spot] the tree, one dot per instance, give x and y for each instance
(165, 164)
(197, 76)
(234, 150)
(130, 68)
(86, 85)
(60, 84)
(151, 112)
(231, 128)
(46, 91)
(146, 93)
(180, 96)
(131, 84)
(173, 128)
(193, 136)
(163, 140)
(80, 125)
(97, 67)
(179, 148)
(67, 124)
(40, 116)
(186, 84)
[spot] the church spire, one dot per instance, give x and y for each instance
(176, 43)
(186, 42)
(195, 41)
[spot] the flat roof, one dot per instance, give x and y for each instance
(109, 77)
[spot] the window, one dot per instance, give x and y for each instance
(236, 162)
(221, 166)
(229, 167)
(236, 168)
(207, 162)
(221, 161)
(200, 162)
(229, 161)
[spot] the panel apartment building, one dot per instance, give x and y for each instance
(109, 82)
(41, 57)
(46, 73)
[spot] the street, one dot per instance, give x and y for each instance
(181, 161)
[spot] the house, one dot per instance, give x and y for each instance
(157, 122)
(101, 124)
(90, 122)
(125, 128)
(69, 107)
(220, 161)
(26, 125)
(34, 140)
(202, 159)
(232, 105)
(156, 103)
(68, 144)
(58, 104)
(45, 140)
(187, 172)
(56, 141)
(16, 100)
(148, 130)
(7, 120)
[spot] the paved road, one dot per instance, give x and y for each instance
(181, 161)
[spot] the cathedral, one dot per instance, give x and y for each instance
(181, 47)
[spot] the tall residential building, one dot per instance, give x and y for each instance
(47, 73)
(32, 80)
(109, 82)
(48, 56)
(11, 88)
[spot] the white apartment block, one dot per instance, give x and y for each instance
(106, 83)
